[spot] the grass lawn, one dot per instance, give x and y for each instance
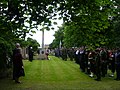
(56, 74)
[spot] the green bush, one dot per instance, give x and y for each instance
(5, 55)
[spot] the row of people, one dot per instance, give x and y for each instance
(94, 62)
(98, 62)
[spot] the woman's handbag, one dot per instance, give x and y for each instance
(22, 73)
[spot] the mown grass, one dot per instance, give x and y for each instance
(56, 74)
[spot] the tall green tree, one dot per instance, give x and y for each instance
(18, 17)
(58, 41)
(89, 21)
(33, 43)
(116, 24)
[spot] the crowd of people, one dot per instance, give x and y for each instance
(96, 63)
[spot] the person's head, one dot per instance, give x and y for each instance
(97, 50)
(31, 47)
(42, 52)
(118, 51)
(17, 45)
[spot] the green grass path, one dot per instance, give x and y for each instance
(56, 74)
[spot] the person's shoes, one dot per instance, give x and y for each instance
(98, 79)
(117, 79)
(17, 82)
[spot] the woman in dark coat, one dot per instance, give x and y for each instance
(117, 62)
(17, 63)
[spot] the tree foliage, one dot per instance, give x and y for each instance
(33, 43)
(87, 22)
(59, 36)
(90, 22)
(19, 17)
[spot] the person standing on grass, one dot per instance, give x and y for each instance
(64, 53)
(98, 65)
(82, 58)
(71, 53)
(30, 53)
(103, 58)
(47, 53)
(111, 63)
(76, 55)
(117, 62)
(91, 63)
(17, 63)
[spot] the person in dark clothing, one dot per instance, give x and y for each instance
(71, 54)
(30, 54)
(17, 63)
(57, 52)
(98, 66)
(64, 54)
(117, 62)
(111, 62)
(103, 58)
(87, 69)
(81, 56)
(76, 56)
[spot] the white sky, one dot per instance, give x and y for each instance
(48, 35)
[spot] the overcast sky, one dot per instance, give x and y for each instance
(48, 35)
